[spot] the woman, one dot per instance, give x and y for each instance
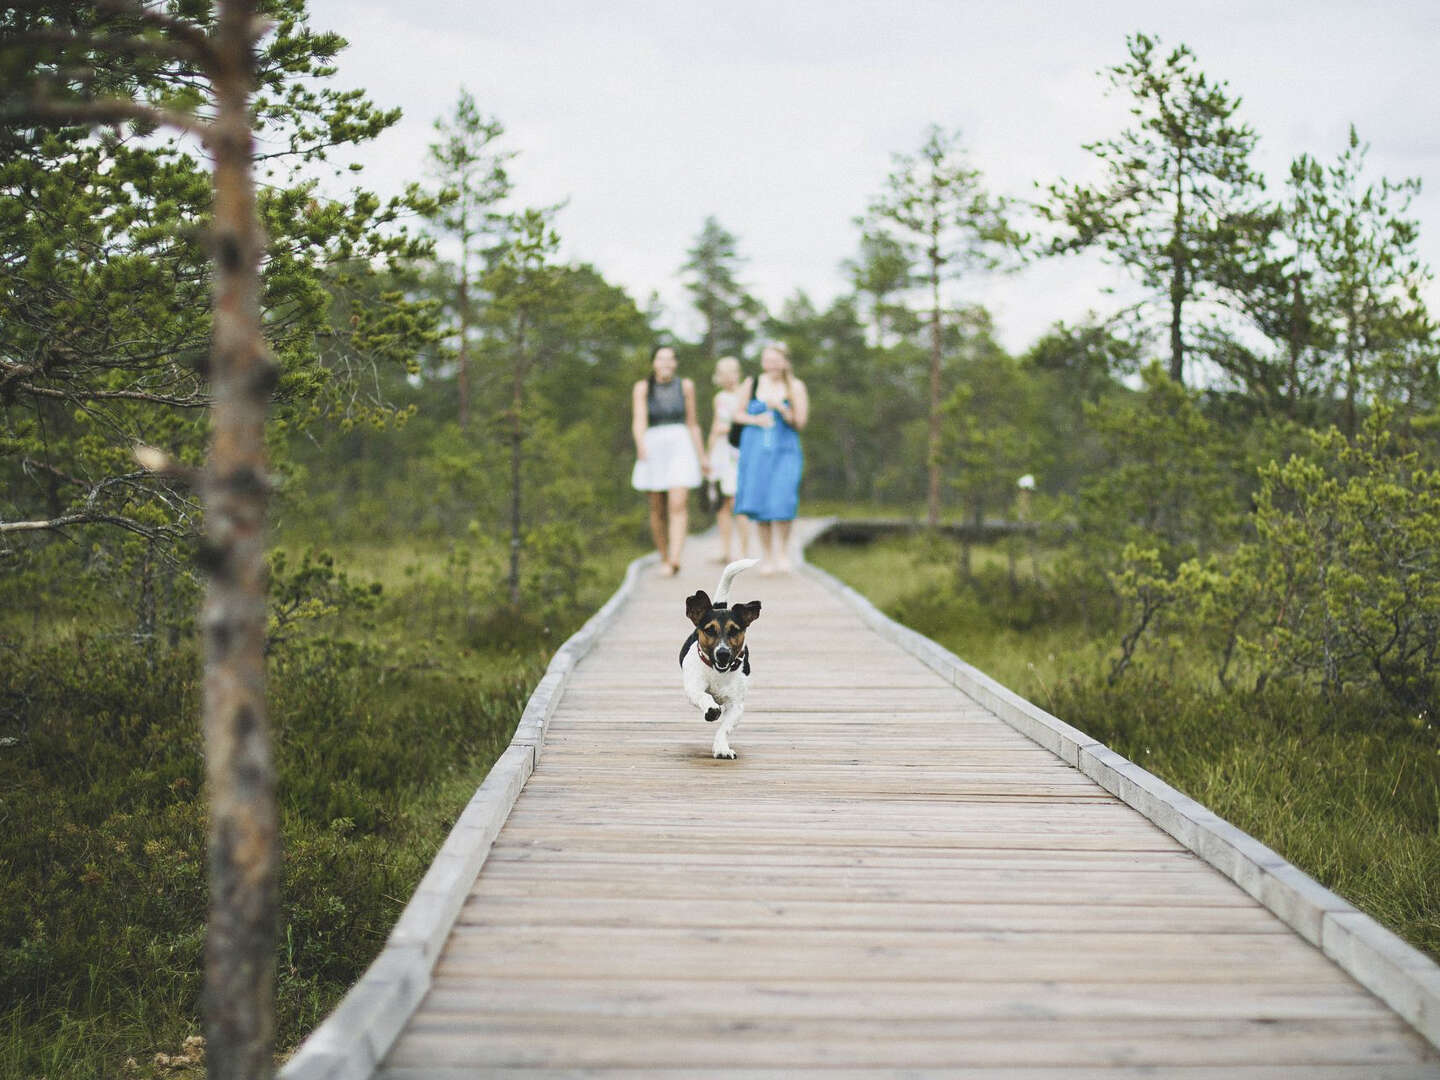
(724, 458)
(670, 459)
(776, 410)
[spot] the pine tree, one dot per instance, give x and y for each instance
(935, 208)
(474, 182)
(729, 311)
(1178, 207)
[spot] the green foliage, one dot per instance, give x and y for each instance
(105, 275)
(1178, 207)
(1172, 479)
(1337, 592)
(1348, 562)
(313, 590)
(991, 434)
(729, 311)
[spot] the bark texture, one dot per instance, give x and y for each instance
(240, 772)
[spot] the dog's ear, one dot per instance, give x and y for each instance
(697, 606)
(745, 614)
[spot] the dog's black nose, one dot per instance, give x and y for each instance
(723, 656)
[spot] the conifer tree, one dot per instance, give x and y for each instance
(729, 311)
(473, 178)
(936, 209)
(1178, 207)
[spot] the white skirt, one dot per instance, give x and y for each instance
(670, 460)
(725, 466)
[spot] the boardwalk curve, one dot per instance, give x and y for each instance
(909, 871)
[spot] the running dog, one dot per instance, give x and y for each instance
(715, 661)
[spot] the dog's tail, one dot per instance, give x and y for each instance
(722, 590)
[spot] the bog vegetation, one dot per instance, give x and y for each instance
(1235, 512)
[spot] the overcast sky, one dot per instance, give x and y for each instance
(780, 117)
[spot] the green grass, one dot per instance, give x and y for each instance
(1349, 795)
(385, 715)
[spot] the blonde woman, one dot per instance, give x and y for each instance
(776, 409)
(669, 456)
(725, 459)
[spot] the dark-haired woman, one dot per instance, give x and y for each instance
(670, 456)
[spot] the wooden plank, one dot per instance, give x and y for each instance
(576, 908)
(675, 1043)
(860, 956)
(637, 999)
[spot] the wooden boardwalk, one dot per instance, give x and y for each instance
(889, 881)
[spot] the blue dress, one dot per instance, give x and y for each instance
(768, 485)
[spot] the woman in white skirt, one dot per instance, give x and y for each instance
(725, 458)
(670, 458)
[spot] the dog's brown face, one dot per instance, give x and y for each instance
(720, 631)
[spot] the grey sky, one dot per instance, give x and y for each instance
(780, 118)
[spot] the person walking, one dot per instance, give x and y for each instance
(776, 408)
(725, 460)
(669, 456)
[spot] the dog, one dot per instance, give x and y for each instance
(715, 661)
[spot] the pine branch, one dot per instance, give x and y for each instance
(110, 111)
(83, 517)
(109, 395)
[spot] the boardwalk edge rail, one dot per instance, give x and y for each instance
(1397, 973)
(352, 1041)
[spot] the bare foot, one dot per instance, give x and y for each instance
(766, 568)
(783, 565)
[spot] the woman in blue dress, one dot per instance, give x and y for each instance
(775, 409)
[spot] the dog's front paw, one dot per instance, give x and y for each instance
(711, 715)
(725, 755)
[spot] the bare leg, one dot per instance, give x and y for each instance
(678, 501)
(742, 535)
(767, 543)
(782, 544)
(725, 521)
(657, 524)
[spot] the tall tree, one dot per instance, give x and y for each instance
(98, 318)
(524, 284)
(1178, 206)
(935, 208)
(1367, 280)
(474, 182)
(730, 312)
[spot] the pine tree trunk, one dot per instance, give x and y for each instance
(1352, 378)
(1297, 344)
(933, 450)
(240, 774)
(462, 376)
(517, 439)
(1177, 280)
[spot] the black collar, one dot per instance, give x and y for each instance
(740, 658)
